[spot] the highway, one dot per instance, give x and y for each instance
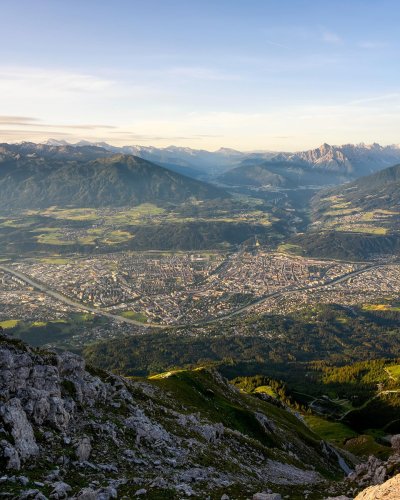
(264, 298)
(83, 307)
(78, 305)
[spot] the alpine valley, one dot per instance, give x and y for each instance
(182, 323)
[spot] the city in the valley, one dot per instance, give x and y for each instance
(138, 291)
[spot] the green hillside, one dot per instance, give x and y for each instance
(347, 245)
(278, 174)
(370, 204)
(377, 191)
(120, 180)
(358, 220)
(353, 406)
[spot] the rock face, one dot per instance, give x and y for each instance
(352, 159)
(390, 490)
(375, 471)
(83, 449)
(15, 417)
(71, 432)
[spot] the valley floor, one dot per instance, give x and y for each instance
(175, 290)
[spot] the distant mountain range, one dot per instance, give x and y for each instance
(197, 163)
(26, 150)
(351, 160)
(90, 175)
(40, 176)
(323, 166)
(280, 173)
(97, 174)
(342, 163)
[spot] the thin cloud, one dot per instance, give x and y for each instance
(200, 73)
(49, 80)
(208, 135)
(276, 44)
(147, 138)
(60, 79)
(84, 127)
(332, 38)
(25, 134)
(371, 45)
(26, 121)
(16, 120)
(384, 97)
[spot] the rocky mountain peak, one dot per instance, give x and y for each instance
(325, 148)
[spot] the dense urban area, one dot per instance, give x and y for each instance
(137, 291)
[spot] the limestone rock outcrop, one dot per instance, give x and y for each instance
(389, 490)
(71, 431)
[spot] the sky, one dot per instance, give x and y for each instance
(280, 75)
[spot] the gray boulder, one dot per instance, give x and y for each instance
(83, 449)
(14, 415)
(60, 490)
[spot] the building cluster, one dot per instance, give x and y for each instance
(28, 305)
(180, 288)
(10, 282)
(377, 288)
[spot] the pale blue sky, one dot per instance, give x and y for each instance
(247, 74)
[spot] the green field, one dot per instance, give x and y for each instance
(290, 248)
(358, 228)
(111, 216)
(266, 389)
(334, 432)
(57, 332)
(342, 216)
(90, 237)
(17, 224)
(394, 372)
(9, 323)
(137, 316)
(365, 445)
(53, 238)
(115, 237)
(59, 261)
(380, 307)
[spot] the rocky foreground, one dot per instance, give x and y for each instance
(389, 490)
(70, 431)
